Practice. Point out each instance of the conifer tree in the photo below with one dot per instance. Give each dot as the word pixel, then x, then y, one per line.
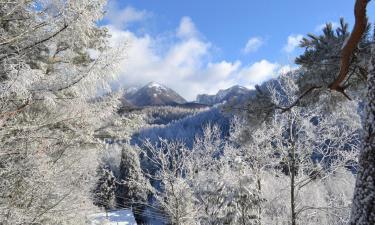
pixel 105 190
pixel 130 189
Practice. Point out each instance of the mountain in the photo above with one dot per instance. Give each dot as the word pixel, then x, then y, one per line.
pixel 153 94
pixel 236 92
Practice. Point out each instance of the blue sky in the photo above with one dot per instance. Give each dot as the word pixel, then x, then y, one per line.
pixel 202 46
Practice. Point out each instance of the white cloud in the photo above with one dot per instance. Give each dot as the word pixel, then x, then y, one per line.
pixel 187 28
pixel 259 72
pixel 184 63
pixel 221 70
pixel 252 45
pixel 121 18
pixel 293 42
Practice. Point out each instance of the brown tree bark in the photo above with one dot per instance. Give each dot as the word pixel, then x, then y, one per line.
pixel 351 44
pixel 363 208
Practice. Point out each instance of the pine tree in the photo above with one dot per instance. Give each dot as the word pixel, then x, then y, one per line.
pixel 321 58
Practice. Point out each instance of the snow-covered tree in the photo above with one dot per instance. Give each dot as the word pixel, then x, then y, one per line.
pixel 304 146
pixel 223 185
pixel 53 58
pixel 130 191
pixel 119 127
pixel 291 158
pixel 171 180
pixel 105 189
pixel 306 158
pixel 207 171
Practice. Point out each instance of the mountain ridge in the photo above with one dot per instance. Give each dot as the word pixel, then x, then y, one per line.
pixel 155 94
pixel 152 94
pixel 235 92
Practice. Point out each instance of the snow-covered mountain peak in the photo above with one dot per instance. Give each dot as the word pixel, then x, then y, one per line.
pixel 156 86
pixel 236 92
pixel 154 94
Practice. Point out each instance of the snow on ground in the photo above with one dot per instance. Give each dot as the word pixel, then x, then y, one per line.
pixel 117 217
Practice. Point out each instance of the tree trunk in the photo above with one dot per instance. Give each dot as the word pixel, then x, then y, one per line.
pixel 292 169
pixel 292 194
pixel 363 209
pixel 259 185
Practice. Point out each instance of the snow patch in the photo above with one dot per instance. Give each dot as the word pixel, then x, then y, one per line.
pixel 156 85
pixel 117 217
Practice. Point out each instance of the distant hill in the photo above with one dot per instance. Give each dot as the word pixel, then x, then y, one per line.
pixel 153 94
pixel 236 92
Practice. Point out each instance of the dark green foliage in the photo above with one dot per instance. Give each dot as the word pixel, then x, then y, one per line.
pixel 321 59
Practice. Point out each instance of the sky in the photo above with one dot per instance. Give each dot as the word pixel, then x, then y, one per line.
pixel 202 46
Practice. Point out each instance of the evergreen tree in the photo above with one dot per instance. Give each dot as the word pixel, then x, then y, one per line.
pixel 320 61
pixel 105 190
pixel 130 191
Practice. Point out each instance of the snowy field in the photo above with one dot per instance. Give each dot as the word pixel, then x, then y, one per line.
pixel 118 217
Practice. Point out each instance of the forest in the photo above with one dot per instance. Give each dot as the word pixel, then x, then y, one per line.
pixel 298 148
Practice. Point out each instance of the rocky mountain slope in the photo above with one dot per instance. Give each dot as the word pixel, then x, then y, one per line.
pixel 153 94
